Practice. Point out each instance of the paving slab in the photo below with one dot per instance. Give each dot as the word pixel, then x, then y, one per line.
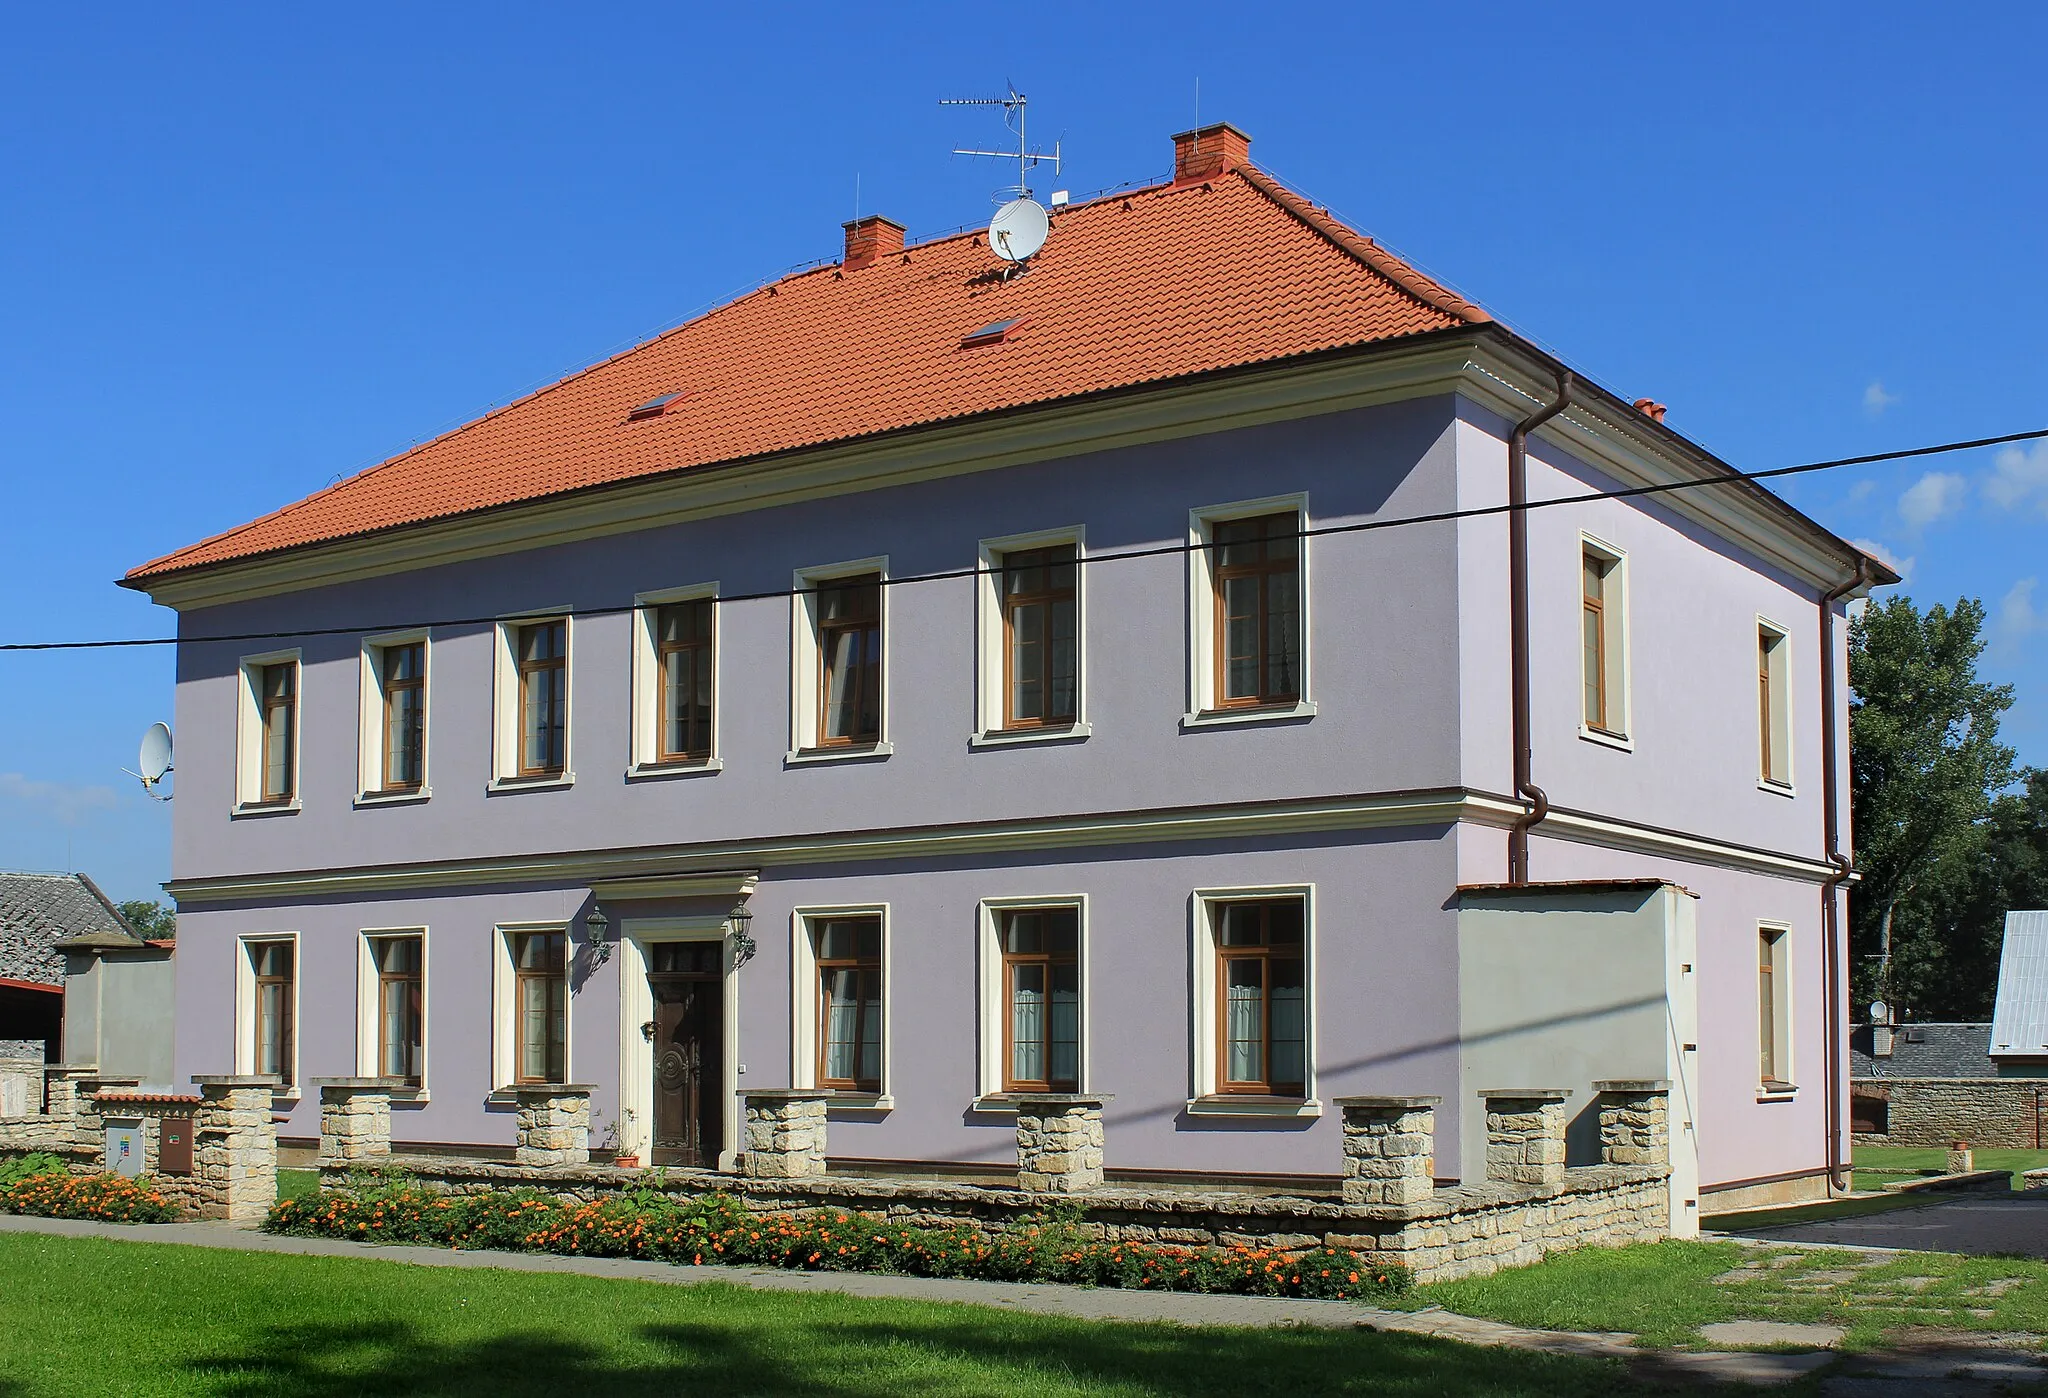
pixel 1975 1225
pixel 1759 1333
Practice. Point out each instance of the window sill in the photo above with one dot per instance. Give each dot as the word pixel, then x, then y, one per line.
pixel 255 810
pixel 876 1102
pixel 1003 1102
pixel 1226 1105
pixel 1776 788
pixel 663 771
pixel 499 786
pixel 863 752
pixel 393 798
pixel 1620 742
pixel 1014 737
pixel 1776 1092
pixel 1264 713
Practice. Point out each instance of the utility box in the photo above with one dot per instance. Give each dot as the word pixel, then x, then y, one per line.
pixel 174 1146
pixel 124 1148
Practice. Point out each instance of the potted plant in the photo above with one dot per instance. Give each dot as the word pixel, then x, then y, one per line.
pixel 624 1159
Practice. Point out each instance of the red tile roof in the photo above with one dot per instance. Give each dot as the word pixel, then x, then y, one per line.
pixel 1130 289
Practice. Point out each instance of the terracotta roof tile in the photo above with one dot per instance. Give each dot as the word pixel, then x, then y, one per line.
pixel 1131 289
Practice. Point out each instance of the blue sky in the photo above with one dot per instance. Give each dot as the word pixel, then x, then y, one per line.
pixel 246 250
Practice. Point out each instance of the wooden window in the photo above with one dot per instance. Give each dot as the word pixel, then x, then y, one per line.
pixel 543 654
pixel 1261 997
pixel 1041 1000
pixel 404 679
pixel 278 690
pixel 682 646
pixel 1770 1008
pixel 540 1004
pixel 401 1006
pixel 849 957
pixel 1593 618
pixel 1257 576
pixel 1041 645
pixel 850 661
pixel 1774 735
pixel 273 964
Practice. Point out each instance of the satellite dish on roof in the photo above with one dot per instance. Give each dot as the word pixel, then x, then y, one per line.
pixel 1880 1013
pixel 1018 229
pixel 154 758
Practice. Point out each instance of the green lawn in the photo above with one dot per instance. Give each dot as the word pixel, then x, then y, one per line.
pixel 88 1316
pixel 1877 1166
pixel 1664 1292
pixel 292 1183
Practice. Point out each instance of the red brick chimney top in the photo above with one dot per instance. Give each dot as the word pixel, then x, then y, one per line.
pixel 870 239
pixel 1208 151
pixel 1651 409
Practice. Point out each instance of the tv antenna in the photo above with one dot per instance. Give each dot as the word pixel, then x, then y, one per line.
pixel 154 759
pixel 1013 120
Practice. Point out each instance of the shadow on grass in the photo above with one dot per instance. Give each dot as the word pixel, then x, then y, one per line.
pixel 859 1359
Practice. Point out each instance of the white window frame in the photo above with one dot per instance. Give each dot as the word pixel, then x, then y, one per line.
pixel 636 1007
pixel 803 1001
pixel 1782 990
pixel 1781 710
pixel 990 639
pixel 645 759
pixel 504 1032
pixel 367 1065
pixel 1614 619
pixel 1201 640
pixel 245 1005
pixel 505 733
pixel 249 735
pixel 804 708
pixel 1203 1099
pixel 991 1012
pixel 370 735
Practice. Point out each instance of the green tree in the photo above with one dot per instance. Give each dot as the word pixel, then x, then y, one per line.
pixel 151 920
pixel 1926 766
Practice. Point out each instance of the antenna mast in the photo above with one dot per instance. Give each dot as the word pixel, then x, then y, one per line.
pixel 1013 119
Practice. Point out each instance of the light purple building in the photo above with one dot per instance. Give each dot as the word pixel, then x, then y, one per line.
pixel 936 679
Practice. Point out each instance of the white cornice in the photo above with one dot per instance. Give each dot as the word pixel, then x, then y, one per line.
pixel 731 868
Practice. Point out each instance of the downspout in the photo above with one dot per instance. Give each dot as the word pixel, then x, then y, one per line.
pixel 1831 824
pixel 1518 627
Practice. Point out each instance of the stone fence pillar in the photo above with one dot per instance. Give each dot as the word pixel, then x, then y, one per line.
pixel 355 1119
pixel 234 1147
pixel 785 1133
pixel 68 1086
pixel 1525 1134
pixel 1635 1121
pixel 1059 1142
pixel 553 1124
pixel 1389 1149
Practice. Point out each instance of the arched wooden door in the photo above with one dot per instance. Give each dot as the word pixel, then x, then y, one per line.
pixel 687 983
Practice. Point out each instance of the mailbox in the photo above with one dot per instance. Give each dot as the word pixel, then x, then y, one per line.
pixel 174 1146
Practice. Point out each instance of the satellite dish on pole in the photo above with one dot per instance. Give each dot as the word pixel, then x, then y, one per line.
pixel 154 758
pixel 1018 229
pixel 1880 1013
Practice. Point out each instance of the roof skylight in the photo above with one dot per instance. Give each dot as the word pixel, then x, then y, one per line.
pixel 994 333
pixel 654 407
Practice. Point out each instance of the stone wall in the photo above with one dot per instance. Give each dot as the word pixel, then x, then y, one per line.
pixel 2008 1113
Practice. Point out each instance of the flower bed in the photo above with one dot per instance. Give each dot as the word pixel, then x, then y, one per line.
pixel 719 1230
pixel 44 1185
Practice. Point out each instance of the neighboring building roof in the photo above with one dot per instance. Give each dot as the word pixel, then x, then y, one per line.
pixel 2019 1021
pixel 39 912
pixel 1156 284
pixel 1924 1051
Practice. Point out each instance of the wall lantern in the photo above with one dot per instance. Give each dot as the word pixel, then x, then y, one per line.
pixel 598 926
pixel 742 944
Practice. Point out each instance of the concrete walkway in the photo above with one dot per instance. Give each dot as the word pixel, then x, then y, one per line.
pixel 1875 1375
pixel 1976 1225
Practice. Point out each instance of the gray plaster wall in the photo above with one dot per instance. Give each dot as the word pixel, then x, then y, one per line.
pixel 120 1012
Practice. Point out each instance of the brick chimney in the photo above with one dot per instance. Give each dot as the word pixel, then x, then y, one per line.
pixel 869 240
pixel 1208 151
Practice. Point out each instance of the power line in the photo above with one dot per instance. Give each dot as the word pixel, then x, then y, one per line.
pixel 1117 556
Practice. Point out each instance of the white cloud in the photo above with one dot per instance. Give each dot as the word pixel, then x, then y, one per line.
pixel 2017 615
pixel 62 802
pixel 1862 490
pixel 2019 476
pixel 1934 496
pixel 1876 400
pixel 1890 556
